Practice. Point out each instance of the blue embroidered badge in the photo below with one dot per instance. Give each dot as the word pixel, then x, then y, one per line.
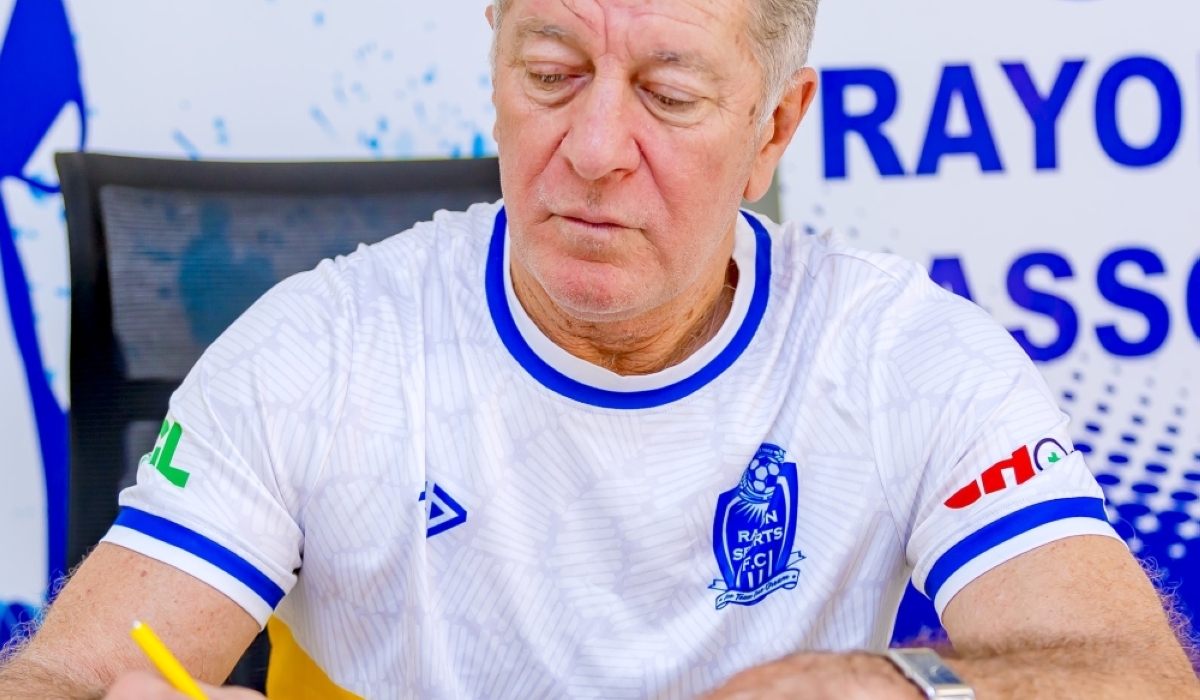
pixel 441 511
pixel 754 531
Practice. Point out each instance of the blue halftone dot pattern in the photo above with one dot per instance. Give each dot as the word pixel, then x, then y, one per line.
pixel 1147 463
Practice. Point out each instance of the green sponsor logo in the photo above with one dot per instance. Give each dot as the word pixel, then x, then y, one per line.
pixel 164 451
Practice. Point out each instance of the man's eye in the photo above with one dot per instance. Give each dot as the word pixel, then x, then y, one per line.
pixel 671 103
pixel 548 79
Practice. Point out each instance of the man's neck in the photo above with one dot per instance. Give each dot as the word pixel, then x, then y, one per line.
pixel 651 342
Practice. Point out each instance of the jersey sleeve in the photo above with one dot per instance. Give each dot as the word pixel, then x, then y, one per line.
pixel 974 451
pixel 221 496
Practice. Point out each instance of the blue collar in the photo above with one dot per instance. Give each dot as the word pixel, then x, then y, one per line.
pixel 559 383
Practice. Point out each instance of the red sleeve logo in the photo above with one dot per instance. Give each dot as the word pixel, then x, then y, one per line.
pixel 1048 452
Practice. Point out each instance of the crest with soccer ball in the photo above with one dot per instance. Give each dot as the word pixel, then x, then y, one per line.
pixel 755 529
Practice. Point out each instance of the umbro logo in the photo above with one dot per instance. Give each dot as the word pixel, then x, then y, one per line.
pixel 441 511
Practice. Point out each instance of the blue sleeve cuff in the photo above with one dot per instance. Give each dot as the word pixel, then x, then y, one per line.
pixel 198 545
pixel 1013 525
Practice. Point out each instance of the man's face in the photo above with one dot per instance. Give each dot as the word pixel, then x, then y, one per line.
pixel 626 133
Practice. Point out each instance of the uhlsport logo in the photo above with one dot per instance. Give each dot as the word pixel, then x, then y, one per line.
pixel 1020 464
pixel 755 529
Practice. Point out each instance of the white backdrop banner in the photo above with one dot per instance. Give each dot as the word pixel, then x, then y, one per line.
pixel 1041 157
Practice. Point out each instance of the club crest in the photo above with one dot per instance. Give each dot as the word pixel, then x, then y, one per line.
pixel 755 529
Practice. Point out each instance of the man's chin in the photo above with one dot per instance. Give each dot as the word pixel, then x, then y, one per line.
pixel 592 305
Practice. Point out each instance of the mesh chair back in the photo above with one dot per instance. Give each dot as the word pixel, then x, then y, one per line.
pixel 166 254
pixel 182 265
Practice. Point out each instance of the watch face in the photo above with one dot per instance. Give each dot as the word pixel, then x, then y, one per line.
pixel 931 667
pixel 941 674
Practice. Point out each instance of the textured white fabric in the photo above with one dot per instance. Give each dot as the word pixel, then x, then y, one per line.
pixel 316 426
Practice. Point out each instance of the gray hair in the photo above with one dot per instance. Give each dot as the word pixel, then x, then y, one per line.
pixel 781 33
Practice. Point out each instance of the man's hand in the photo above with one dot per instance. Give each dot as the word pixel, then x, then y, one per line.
pixel 820 677
pixel 146 685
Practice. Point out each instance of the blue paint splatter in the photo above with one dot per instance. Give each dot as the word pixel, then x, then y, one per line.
pixel 430 75
pixel 222 132
pixel 188 147
pixel 477 146
pixel 403 146
pixel 322 121
pixel 364 51
pixel 370 142
pixel 319 19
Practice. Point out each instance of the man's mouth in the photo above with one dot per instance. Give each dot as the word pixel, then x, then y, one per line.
pixel 594 221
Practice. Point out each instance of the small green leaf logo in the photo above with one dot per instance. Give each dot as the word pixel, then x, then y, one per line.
pixel 1053 458
pixel 164 452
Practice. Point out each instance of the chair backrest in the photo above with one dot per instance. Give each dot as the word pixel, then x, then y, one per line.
pixel 165 254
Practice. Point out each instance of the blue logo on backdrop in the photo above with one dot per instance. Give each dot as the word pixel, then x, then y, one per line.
pixel 441 511
pixel 754 531
pixel 39 76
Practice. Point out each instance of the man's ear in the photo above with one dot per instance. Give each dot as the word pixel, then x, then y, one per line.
pixel 778 132
pixel 490 13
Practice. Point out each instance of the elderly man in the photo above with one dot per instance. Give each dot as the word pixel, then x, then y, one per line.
pixel 613 438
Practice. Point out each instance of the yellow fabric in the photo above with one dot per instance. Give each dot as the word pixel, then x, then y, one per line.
pixel 293 675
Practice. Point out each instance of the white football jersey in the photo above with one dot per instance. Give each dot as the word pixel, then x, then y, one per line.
pixel 428 498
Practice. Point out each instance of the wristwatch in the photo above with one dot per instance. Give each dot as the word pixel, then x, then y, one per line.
pixel 925 668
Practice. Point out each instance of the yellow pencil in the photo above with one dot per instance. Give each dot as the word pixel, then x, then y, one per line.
pixel 165 661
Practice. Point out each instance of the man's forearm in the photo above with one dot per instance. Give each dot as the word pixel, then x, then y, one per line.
pixel 23 678
pixel 1078 671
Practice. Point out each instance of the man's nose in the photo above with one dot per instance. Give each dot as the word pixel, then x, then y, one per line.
pixel 601 141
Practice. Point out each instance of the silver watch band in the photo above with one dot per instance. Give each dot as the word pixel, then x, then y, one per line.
pixel 926 669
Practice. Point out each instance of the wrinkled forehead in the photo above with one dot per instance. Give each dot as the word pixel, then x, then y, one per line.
pixel 705 35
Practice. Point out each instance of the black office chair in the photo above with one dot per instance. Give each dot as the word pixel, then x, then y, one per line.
pixel 165 254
